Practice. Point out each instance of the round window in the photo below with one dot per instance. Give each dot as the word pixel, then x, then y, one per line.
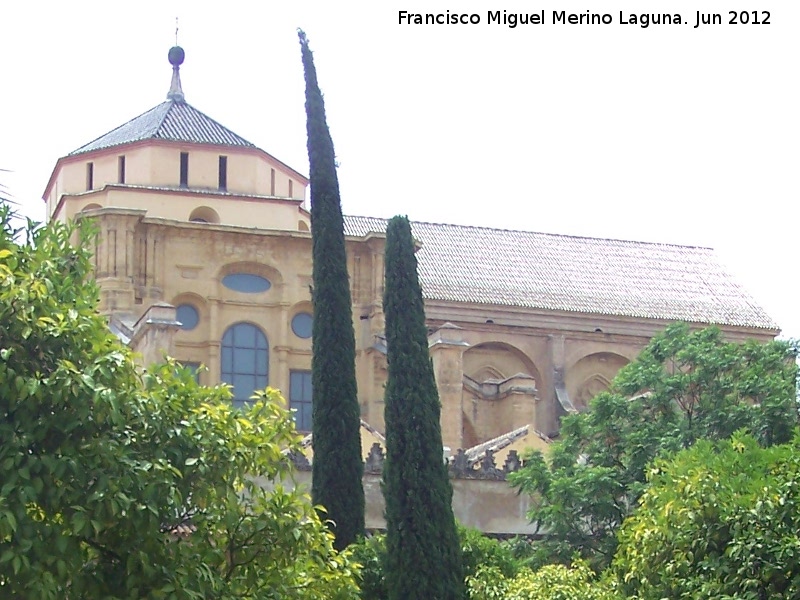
pixel 301 325
pixel 246 283
pixel 188 316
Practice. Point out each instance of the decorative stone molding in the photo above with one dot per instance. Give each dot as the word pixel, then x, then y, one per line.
pixel 374 463
pixel 461 467
pixel 300 461
pixel 493 389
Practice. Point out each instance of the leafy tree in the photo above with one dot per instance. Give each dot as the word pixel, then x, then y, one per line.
pixel 684 386
pixel 718 521
pixel 423 555
pixel 338 465
pixel 116 485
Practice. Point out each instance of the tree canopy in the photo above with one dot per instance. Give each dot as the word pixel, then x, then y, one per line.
pixel 423 556
pixel 720 520
pixel 120 485
pixel 338 465
pixel 684 386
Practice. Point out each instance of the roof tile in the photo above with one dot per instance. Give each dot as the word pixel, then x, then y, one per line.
pixel 575 274
pixel 173 121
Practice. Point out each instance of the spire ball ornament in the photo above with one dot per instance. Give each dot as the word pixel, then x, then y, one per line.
pixel 176 56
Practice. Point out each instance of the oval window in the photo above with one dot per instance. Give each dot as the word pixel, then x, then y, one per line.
pixel 301 325
pixel 246 283
pixel 188 316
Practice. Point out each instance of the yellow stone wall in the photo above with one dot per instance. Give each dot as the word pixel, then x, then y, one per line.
pixel 498 368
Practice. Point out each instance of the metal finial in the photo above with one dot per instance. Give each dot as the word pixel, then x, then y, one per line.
pixel 176 31
pixel 176 56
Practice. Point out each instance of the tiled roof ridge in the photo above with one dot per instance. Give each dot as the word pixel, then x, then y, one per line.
pixel 81 150
pixel 212 119
pixel 543 233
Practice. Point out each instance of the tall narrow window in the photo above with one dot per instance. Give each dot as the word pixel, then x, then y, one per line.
pixel 290 188
pixel 89 176
pixel 272 182
pixel 121 169
pixel 223 173
pixel 300 398
pixel 184 169
pixel 245 360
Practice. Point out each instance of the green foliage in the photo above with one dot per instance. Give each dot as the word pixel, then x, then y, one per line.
pixel 114 485
pixel 423 552
pixel 718 521
pixel 551 582
pixel 478 550
pixel 683 387
pixel 370 553
pixel 338 464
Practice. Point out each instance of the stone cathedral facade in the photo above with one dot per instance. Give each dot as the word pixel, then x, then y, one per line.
pixel 204 253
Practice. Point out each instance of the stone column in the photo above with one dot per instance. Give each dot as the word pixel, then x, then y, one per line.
pixel 447 353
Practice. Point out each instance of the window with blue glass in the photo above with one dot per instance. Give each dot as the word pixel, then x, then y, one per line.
pixel 247 283
pixel 302 324
pixel 300 398
pixel 188 316
pixel 245 360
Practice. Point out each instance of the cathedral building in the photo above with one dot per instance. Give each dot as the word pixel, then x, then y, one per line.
pixel 204 252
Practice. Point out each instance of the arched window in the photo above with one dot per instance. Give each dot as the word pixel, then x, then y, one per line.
pixel 245 360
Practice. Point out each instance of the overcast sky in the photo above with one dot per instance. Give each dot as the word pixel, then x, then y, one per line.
pixel 667 133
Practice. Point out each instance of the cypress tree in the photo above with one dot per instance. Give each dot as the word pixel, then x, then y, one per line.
pixel 337 467
pixel 423 551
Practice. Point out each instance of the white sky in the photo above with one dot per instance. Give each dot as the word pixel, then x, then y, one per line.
pixel 669 134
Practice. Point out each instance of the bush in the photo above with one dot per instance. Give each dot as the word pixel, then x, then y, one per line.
pixel 478 553
pixel 553 582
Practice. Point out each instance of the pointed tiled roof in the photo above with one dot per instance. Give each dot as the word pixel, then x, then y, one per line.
pixel 172 121
pixel 576 274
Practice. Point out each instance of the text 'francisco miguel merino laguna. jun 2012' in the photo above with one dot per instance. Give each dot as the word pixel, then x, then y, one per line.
pixel 696 19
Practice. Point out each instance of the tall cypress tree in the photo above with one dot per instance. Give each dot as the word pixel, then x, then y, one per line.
pixel 338 466
pixel 423 550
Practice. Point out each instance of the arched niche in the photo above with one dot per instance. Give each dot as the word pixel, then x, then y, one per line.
pixel 497 360
pixel 199 304
pixel 91 206
pixel 204 214
pixel 488 373
pixel 591 375
pixel 494 400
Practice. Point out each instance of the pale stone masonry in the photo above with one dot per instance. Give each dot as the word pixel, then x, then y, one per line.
pixel 204 252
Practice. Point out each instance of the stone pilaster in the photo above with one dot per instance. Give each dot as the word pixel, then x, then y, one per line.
pixel 447 348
